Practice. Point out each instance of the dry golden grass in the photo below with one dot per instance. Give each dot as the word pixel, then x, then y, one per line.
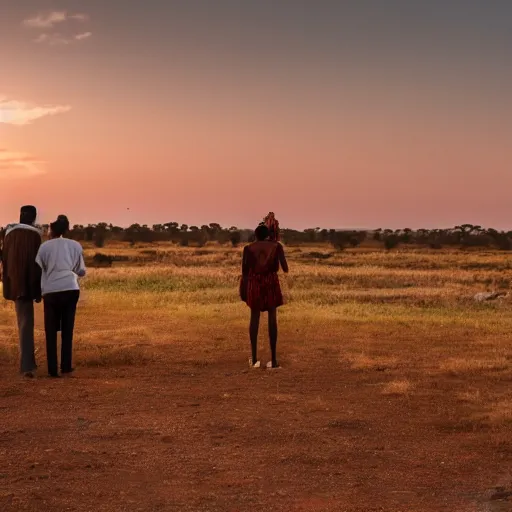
pixel 405 291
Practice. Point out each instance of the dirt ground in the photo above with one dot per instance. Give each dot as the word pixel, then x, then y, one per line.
pixel 394 393
pixel 177 435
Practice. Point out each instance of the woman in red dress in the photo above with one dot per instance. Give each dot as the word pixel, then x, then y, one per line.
pixel 260 288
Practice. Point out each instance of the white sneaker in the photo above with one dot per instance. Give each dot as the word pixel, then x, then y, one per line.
pixel 270 367
pixel 257 364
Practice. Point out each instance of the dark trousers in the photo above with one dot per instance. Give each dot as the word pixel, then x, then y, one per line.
pixel 25 318
pixel 59 314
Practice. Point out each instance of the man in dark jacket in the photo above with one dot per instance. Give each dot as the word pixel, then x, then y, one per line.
pixel 21 277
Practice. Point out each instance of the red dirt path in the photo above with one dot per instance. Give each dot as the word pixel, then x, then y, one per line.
pixel 217 437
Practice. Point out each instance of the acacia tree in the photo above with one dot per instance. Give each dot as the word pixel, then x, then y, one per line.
pixel 338 239
pixel 406 235
pixel 214 231
pixel 391 241
pixel 501 239
pixel 311 234
pixel 100 234
pixel 422 235
pixel 89 232
pixel 435 238
pixel 467 230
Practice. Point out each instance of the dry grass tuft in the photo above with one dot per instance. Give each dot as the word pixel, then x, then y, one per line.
pixel 501 412
pixel 459 366
pixel 397 388
pixel 114 355
pixel 8 354
pixel 372 363
pixel 470 397
pixel 121 335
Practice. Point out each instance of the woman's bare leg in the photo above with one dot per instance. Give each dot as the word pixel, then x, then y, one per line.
pixel 272 333
pixel 253 333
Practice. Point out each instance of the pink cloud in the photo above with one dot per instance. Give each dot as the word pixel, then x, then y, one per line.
pixel 85 35
pixel 17 164
pixel 21 113
pixel 49 20
pixel 46 21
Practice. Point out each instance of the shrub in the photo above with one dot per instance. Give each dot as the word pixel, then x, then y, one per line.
pixel 103 259
pixel 235 238
pixel 391 241
pixel 89 233
pixel 99 239
pixel 338 240
pixel 502 240
pixel 504 243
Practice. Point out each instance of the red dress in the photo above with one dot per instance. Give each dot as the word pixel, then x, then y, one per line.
pixel 259 286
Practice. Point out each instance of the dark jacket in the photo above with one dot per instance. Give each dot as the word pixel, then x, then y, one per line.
pixel 21 276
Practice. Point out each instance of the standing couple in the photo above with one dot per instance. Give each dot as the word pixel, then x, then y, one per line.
pixel 31 271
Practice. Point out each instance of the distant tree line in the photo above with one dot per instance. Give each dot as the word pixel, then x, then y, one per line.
pixel 464 235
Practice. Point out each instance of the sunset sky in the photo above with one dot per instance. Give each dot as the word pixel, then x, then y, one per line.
pixel 347 113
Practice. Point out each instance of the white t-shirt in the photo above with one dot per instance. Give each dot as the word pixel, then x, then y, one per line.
pixel 62 263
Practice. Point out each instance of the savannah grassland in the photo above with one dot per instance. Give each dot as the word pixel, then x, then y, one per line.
pixel 395 392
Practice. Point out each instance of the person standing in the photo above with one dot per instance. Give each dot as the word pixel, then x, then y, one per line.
pixel 62 263
pixel 21 280
pixel 260 288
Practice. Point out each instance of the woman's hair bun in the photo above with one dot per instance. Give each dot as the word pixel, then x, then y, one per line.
pixel 60 226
